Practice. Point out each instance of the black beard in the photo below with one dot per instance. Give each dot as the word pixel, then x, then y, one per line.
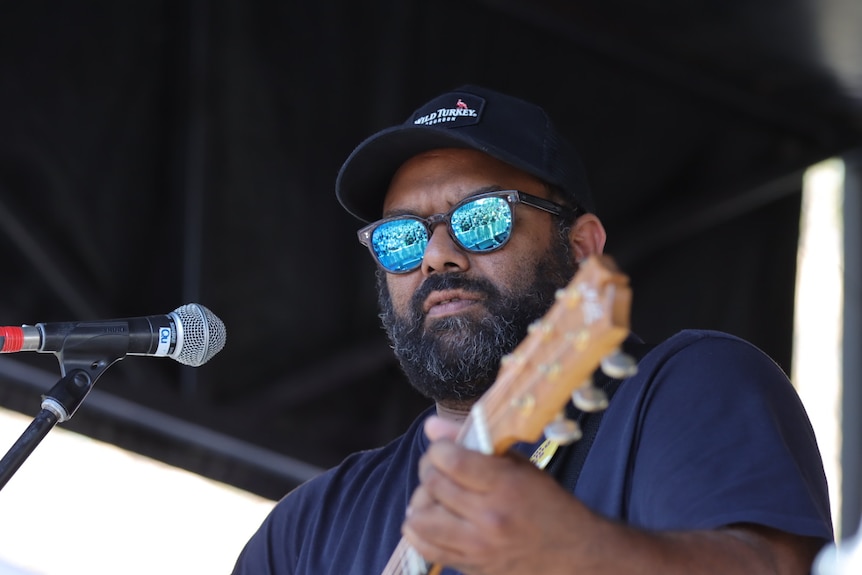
pixel 456 359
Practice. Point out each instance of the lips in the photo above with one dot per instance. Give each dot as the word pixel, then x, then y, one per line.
pixel 449 301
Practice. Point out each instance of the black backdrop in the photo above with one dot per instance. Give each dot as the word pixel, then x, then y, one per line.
pixel 158 153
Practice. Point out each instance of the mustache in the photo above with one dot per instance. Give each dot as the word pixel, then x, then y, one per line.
pixel 450 281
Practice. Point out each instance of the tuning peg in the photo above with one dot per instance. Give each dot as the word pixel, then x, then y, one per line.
pixel 563 430
pixel 544 328
pixel 569 295
pixel 512 359
pixel 619 365
pixel 590 398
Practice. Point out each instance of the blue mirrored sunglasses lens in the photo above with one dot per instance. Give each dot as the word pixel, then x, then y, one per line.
pixel 400 244
pixel 483 224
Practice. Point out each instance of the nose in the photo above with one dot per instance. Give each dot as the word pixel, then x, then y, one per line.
pixel 442 254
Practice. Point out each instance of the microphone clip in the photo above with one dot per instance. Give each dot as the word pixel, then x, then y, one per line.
pixel 89 353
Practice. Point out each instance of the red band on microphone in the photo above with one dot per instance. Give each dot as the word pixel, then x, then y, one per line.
pixel 11 339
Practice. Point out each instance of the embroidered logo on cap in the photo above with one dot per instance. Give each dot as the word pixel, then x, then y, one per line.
pixel 466 110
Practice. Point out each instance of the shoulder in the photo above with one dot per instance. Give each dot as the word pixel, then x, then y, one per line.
pixel 703 357
pixel 699 373
pixel 702 344
pixel 711 432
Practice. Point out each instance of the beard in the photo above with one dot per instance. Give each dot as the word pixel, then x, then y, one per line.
pixel 455 359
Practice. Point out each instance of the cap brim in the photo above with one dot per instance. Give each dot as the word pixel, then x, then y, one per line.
pixel 364 177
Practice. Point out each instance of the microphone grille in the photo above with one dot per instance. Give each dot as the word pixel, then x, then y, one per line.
pixel 203 334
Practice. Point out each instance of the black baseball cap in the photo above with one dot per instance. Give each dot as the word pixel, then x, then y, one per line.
pixel 509 129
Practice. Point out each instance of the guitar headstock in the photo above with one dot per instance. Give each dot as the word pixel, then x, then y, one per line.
pixel 588 320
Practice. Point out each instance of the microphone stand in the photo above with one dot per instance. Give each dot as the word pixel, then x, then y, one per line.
pixel 91 354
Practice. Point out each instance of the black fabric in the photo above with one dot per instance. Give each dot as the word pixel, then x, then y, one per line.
pixel 708 433
pixel 568 461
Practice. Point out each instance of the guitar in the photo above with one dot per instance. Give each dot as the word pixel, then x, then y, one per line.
pixel 583 329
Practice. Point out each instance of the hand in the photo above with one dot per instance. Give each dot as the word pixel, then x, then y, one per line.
pixel 489 515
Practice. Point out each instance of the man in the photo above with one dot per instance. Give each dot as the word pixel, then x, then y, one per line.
pixel 704 462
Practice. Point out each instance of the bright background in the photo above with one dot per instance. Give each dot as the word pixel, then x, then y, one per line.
pixel 80 506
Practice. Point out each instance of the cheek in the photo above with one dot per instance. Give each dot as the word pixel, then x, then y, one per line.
pixel 513 269
pixel 401 289
pixel 509 271
pixel 538 237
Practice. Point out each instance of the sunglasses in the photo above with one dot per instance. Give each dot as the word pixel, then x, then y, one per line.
pixel 478 224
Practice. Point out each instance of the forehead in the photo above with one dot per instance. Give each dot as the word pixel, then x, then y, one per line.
pixel 433 181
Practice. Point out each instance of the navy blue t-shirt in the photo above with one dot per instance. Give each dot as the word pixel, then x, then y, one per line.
pixel 710 432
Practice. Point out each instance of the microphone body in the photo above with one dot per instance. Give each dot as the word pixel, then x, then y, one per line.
pixel 191 335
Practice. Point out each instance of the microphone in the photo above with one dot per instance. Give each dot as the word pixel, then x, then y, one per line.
pixel 191 334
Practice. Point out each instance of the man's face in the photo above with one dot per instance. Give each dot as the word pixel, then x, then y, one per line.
pixel 451 320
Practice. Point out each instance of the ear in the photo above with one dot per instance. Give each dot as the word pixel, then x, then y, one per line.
pixel 587 236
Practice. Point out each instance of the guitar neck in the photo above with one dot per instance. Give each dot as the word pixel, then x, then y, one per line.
pixel 405 560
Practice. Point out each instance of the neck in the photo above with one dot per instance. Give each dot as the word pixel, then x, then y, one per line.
pixel 454 411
